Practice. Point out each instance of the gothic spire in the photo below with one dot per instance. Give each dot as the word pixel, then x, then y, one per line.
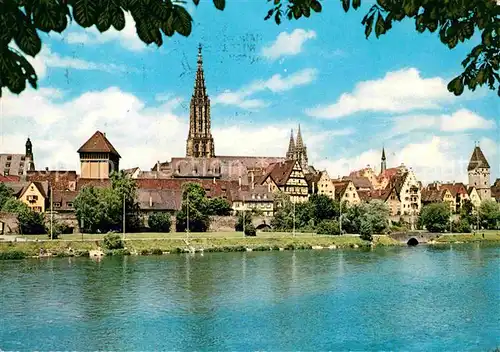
pixel 199 85
pixel 383 154
pixel 299 143
pixel 290 154
pixel 383 163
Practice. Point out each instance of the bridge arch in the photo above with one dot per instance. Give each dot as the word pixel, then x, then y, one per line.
pixel 263 226
pixel 412 242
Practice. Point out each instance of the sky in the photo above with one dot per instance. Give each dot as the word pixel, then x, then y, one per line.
pixel 351 96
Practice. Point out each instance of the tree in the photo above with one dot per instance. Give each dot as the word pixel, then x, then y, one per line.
pixel 218 206
pixel 194 199
pixel 435 217
pixel 283 212
pixel 461 226
pixel 5 194
pixel 351 218
pixel 467 211
pixel 113 241
pixel 29 222
pixel 456 21
pixel 377 213
pixel 159 222
pixel 243 217
pixel 489 214
pixel 101 209
pixel 328 227
pixel 366 230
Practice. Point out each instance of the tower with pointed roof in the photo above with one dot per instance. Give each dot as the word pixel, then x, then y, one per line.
pixel 29 163
pixel 200 143
pixel 301 152
pixel 290 154
pixel 479 173
pixel 98 157
pixel 383 163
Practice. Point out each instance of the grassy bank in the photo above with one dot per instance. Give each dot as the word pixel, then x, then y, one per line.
pixel 144 244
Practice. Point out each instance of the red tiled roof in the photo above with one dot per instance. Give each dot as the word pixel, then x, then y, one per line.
pixel 63 197
pixel 360 181
pixel 455 188
pixel 432 195
pixel 280 172
pixel 98 143
pixel 58 179
pixel 9 178
pixel 82 182
pixel 340 187
pixel 159 199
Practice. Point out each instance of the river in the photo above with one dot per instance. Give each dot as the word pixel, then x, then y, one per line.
pixel 404 299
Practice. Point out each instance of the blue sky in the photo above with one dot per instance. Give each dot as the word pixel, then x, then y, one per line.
pixel 351 95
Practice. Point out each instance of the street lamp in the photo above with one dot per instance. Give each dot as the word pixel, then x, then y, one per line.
pixel 187 216
pixel 293 233
pixel 123 226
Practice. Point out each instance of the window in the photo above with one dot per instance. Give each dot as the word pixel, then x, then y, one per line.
pixel 57 204
pixel 69 204
pixel 23 158
pixel 20 172
pixel 6 172
pixel 9 157
pixel 21 165
pixel 7 164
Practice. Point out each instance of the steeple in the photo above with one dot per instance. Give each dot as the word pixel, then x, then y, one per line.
pixel 290 154
pixel 383 164
pixel 29 149
pixel 479 173
pixel 301 151
pixel 300 143
pixel 200 143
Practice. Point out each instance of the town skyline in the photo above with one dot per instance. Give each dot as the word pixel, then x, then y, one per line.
pixel 260 89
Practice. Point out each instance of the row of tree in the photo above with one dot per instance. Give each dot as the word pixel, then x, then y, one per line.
pixel 437 217
pixel 103 209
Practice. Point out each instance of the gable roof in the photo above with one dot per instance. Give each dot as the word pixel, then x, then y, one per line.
pixel 433 195
pixel 477 160
pixel 280 172
pixel 360 182
pixel 340 187
pixel 58 179
pixel 98 143
pixel 43 188
pixel 455 188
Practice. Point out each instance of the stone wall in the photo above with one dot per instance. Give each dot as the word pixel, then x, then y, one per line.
pixel 8 223
pixel 222 223
pixel 66 218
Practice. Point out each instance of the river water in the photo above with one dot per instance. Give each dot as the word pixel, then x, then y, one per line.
pixel 404 299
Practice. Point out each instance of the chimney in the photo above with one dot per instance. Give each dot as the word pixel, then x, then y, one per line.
pixel 150 201
pixel 213 181
pixel 158 165
pixel 253 180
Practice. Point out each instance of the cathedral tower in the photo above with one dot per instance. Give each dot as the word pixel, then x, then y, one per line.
pixel 301 152
pixel 290 154
pixel 479 173
pixel 383 163
pixel 200 143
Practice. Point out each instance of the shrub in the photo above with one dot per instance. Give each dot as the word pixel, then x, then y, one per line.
pixel 328 227
pixel 156 251
pixel 113 241
pixel 461 226
pixel 250 230
pixel 435 217
pixel 159 222
pixel 118 252
pixel 366 231
pixel 12 255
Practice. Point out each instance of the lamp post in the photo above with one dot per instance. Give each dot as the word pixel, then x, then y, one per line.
pixel 340 216
pixel 187 216
pixel 293 233
pixel 51 214
pixel 243 222
pixel 123 226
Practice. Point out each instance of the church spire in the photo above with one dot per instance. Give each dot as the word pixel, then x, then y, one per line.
pixel 383 163
pixel 300 143
pixel 290 154
pixel 200 143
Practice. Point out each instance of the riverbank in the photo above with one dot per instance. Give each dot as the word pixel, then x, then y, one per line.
pixel 137 245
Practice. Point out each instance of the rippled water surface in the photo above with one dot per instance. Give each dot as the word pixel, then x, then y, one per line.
pixel 412 299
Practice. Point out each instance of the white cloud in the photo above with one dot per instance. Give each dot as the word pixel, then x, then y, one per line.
pixel 435 158
pixel 398 91
pixel 142 134
pixel 275 84
pixel 127 37
pixel 459 121
pixel 288 44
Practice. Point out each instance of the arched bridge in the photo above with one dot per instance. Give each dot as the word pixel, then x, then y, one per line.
pixel 413 238
pixel 262 222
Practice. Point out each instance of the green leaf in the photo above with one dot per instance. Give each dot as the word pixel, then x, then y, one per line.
pixel 196 2
pixel 27 38
pixel 346 4
pixel 118 20
pixel 316 6
pixel 168 27
pixel 220 4
pixel 456 86
pixel 380 26
pixel 104 20
pixel 369 25
pixel 85 12
pixel 182 21
pixel 356 4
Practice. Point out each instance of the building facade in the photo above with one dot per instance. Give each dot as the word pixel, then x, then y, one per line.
pixel 200 143
pixel 98 157
pixel 18 165
pixel 479 173
pixel 287 177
